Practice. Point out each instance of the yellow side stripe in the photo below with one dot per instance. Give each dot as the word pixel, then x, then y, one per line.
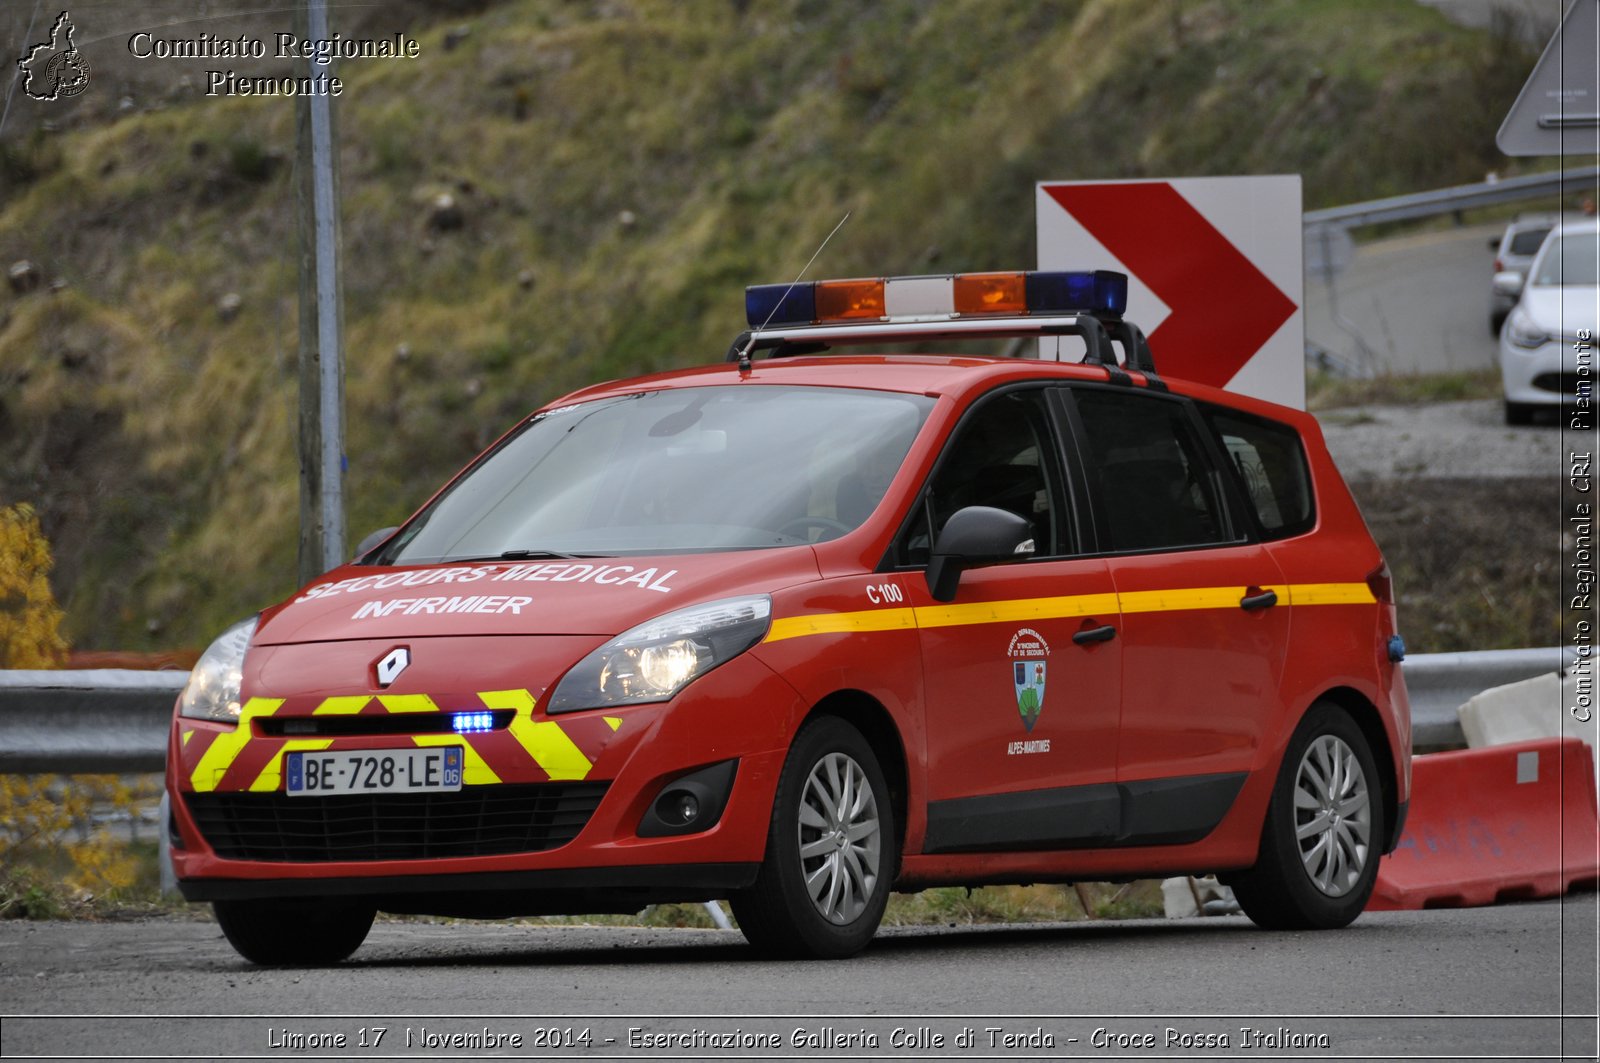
pixel 1331 594
pixel 837 623
pixel 1020 610
pixel 1178 600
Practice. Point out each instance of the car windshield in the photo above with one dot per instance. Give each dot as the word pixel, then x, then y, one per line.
pixel 686 469
pixel 1570 261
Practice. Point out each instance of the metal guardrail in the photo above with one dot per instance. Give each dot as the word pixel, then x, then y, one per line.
pixel 1459 197
pixel 1440 683
pixel 109 720
pixel 94 720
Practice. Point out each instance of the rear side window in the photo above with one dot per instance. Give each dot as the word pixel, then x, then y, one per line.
pixel 1148 469
pixel 1271 467
pixel 1527 241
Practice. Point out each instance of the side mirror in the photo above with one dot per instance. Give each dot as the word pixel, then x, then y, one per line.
pixel 1494 243
pixel 376 538
pixel 973 536
pixel 1508 283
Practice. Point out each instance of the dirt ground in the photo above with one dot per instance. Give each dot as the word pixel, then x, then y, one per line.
pixel 1476 562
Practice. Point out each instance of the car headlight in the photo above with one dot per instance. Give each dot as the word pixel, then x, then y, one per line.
pixel 1522 332
pixel 655 660
pixel 212 692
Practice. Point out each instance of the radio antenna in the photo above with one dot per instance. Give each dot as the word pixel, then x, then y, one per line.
pixel 744 355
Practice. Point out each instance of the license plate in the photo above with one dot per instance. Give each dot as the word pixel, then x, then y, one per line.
pixel 373 771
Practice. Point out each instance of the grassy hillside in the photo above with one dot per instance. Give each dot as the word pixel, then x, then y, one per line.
pixel 622 170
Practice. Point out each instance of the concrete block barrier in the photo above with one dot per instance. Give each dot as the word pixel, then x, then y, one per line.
pixel 1509 822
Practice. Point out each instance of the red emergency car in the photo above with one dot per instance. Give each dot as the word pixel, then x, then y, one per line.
pixel 811 625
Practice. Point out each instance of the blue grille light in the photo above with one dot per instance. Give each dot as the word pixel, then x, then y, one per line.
pixel 471 722
pixel 785 304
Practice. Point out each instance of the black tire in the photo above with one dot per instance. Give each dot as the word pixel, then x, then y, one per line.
pixel 310 932
pixel 1282 891
pixel 1520 412
pixel 777 914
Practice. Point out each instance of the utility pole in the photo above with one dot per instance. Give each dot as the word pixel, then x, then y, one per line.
pixel 322 532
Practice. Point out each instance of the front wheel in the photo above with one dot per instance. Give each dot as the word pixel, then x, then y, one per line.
pixel 309 932
pixel 831 850
pixel 1323 831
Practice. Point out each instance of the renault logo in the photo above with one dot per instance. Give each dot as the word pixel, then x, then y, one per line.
pixel 391 664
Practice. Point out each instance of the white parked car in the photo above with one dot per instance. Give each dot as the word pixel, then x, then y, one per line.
pixel 1555 315
pixel 1513 253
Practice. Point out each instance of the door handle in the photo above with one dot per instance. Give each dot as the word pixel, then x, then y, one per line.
pixel 1095 634
pixel 1259 601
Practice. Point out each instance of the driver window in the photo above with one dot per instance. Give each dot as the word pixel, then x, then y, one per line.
pixel 1002 455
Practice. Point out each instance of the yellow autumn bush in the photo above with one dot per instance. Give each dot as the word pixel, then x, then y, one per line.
pixel 55 852
pixel 30 619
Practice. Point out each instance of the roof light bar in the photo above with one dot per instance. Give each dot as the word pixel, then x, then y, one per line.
pixel 861 300
pixel 960 295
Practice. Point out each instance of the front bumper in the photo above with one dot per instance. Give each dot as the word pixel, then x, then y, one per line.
pixel 621 758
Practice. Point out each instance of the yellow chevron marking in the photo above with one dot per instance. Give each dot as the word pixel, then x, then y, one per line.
pixel 520 700
pixel 474 772
pixel 545 741
pixel 347 705
pixel 1331 594
pixel 548 744
pixel 612 722
pixel 1017 610
pixel 186 736
pixel 221 753
pixel 408 703
pixel 790 627
pixel 272 774
pixel 1021 609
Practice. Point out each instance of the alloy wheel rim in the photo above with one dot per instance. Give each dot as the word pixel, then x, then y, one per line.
pixel 1332 816
pixel 840 838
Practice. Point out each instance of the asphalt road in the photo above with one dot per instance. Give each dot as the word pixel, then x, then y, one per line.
pixel 1478 983
pixel 1414 304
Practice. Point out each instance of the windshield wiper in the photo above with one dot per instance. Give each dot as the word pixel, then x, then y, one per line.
pixel 536 555
pixel 518 555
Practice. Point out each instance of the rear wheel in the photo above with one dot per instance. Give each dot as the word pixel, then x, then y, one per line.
pixel 1323 832
pixel 830 855
pixel 306 932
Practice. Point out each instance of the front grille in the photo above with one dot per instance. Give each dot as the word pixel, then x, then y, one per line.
pixel 366 724
pixel 474 821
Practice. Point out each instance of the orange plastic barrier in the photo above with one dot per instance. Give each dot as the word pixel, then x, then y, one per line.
pixel 1503 823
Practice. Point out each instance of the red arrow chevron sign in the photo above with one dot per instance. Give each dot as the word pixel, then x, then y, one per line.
pixel 1214 271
